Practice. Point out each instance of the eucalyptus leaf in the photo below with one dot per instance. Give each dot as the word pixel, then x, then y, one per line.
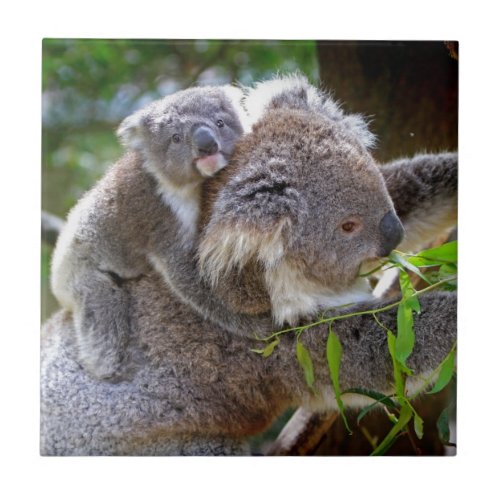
pixel 443 426
pixel 422 261
pixel 305 361
pixel 404 417
pixel 405 339
pixel 445 374
pixel 418 425
pixel 270 348
pixel 443 253
pixel 398 375
pixel 334 357
pixel 378 397
pixel 399 259
pixel 408 291
pixel 385 400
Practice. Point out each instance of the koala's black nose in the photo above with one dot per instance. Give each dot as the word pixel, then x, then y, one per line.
pixel 205 141
pixel 392 233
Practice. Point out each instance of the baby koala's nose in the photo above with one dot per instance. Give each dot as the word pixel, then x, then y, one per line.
pixel 205 141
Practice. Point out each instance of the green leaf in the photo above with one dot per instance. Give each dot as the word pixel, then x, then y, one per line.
pixel 408 291
pixel 334 357
pixel 270 348
pixel 257 351
pixel 422 261
pixel 447 270
pixel 404 417
pixel 398 375
pixel 385 400
pixel 443 253
pixel 418 425
pixel 443 426
pixel 305 362
pixel 377 396
pixel 405 339
pixel 445 374
pixel 399 259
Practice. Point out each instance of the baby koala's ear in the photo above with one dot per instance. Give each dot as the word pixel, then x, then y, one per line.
pixel 132 131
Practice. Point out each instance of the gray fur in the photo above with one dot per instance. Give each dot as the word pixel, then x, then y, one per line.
pixel 190 386
pixel 428 204
pixel 197 387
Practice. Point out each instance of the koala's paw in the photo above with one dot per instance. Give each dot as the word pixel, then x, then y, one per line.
pixel 102 339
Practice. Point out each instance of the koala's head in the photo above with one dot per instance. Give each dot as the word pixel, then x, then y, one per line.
pixel 187 135
pixel 304 202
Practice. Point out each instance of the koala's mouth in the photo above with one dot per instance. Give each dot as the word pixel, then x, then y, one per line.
pixel 209 165
pixel 369 265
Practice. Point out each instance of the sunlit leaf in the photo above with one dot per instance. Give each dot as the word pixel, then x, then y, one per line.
pixel 305 362
pixel 398 375
pixel 408 292
pixel 422 262
pixel 384 400
pixel 404 417
pixel 334 357
pixel 443 253
pixel 399 258
pixel 418 425
pixel 445 374
pixel 405 339
pixel 377 396
pixel 270 348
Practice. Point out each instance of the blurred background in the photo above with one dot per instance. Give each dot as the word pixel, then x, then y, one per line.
pixel 408 91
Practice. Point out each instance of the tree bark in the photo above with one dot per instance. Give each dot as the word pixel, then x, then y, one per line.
pixel 408 89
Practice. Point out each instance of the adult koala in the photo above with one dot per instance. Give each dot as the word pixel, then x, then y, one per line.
pixel 299 209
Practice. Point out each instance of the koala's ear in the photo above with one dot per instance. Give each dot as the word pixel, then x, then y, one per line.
pixel 293 91
pixel 296 92
pixel 236 95
pixel 251 219
pixel 132 131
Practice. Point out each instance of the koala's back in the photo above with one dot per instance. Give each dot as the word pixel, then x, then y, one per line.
pixel 110 228
pixel 180 363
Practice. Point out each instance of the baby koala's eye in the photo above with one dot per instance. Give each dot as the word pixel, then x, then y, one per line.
pixel 176 138
pixel 219 123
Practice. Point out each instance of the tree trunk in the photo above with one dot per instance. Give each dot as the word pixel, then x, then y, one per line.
pixel 408 89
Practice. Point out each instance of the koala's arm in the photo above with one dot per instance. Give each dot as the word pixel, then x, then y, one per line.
pixel 366 362
pixel 178 266
pixel 424 192
pixel 86 278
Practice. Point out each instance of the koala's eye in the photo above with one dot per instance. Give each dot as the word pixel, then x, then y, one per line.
pixel 349 226
pixel 219 123
pixel 176 138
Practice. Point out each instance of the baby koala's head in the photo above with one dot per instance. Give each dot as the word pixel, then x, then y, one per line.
pixel 188 135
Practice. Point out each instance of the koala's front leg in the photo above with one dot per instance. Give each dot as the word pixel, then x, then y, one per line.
pixel 101 323
pixel 424 192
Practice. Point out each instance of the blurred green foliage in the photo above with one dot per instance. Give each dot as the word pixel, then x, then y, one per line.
pixel 90 85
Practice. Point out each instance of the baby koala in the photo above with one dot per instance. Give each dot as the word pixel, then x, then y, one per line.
pixel 131 220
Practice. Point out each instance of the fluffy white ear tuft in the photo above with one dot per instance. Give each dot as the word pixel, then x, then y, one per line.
pixel 236 95
pixel 131 131
pixel 295 91
pixel 227 248
pixel 268 94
